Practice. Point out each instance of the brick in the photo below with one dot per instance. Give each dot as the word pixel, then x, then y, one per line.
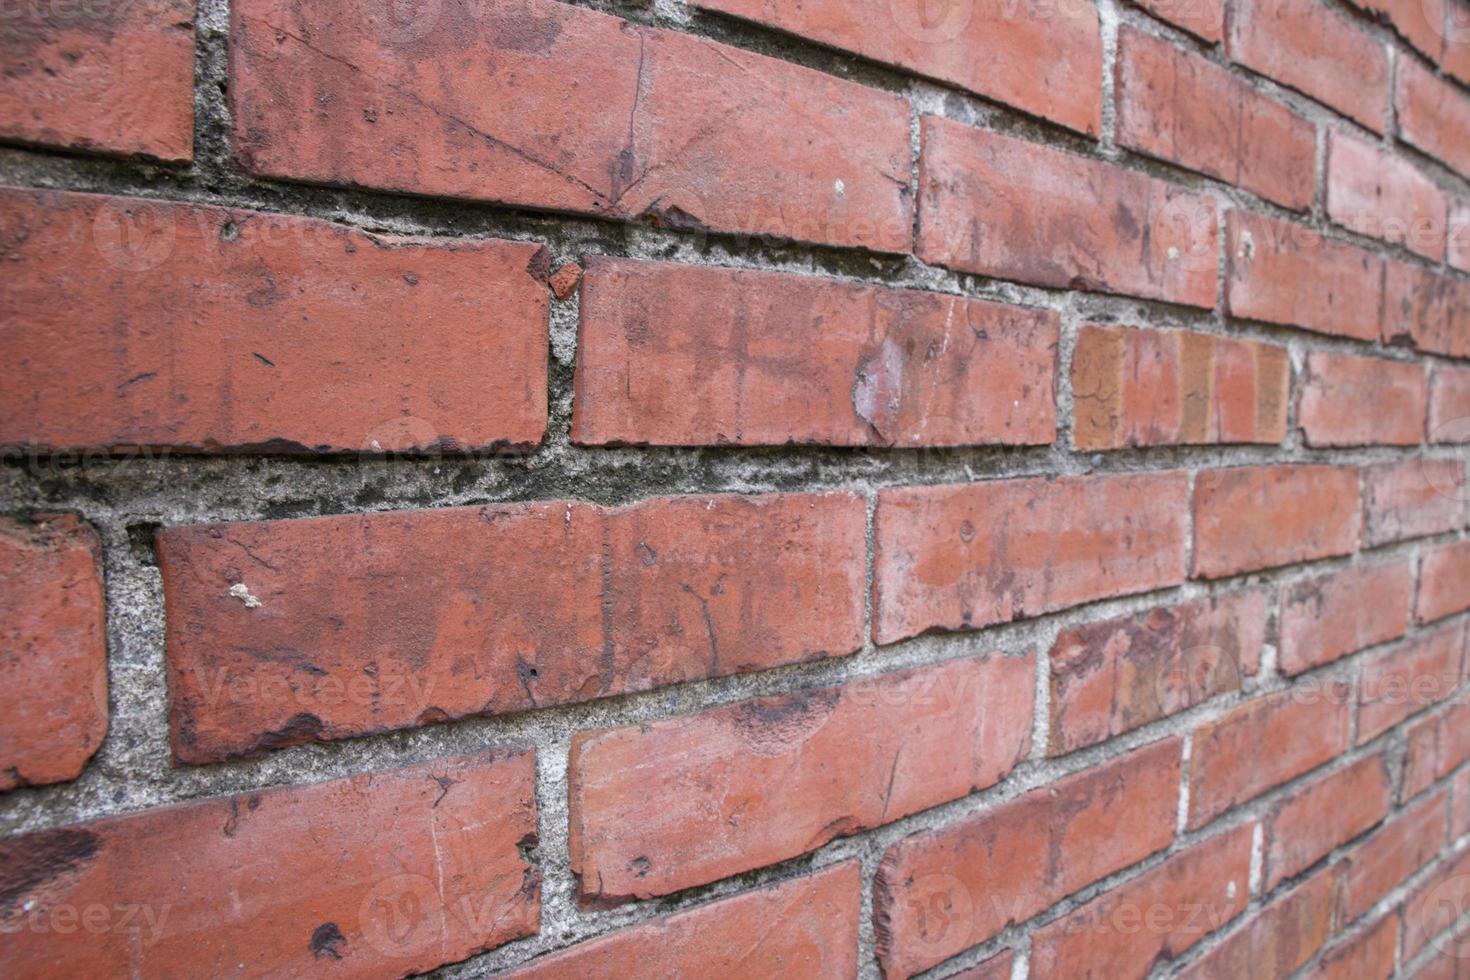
pixel 1263 743
pixel 1412 499
pixel 1289 274
pixel 457 612
pixel 1253 517
pixel 1275 942
pixel 1459 824
pixel 1372 869
pixel 779 359
pixel 545 105
pixel 1362 401
pixel 1457 244
pixel 1406 679
pixel 53 649
pixel 998 967
pixel 1447 964
pixel 1449 405
pixel 293 881
pixel 805 927
pixel 1044 61
pixel 1116 675
pixel 1455 59
pixel 1436 746
pixel 1142 387
pixel 1433 116
pixel 1330 616
pixel 1202 18
pixel 1306 46
pixel 1012 209
pixel 966 556
pixel 667 805
pixel 1444 582
pixel 1152 918
pixel 1426 310
pixel 1004 865
pixel 1323 815
pixel 113 78
pixel 1435 905
pixel 1184 109
pixel 1366 956
pixel 1420 22
pixel 146 323
pixel 1381 194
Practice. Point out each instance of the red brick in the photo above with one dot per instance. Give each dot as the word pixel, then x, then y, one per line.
pixel 1046 61
pixel 1362 401
pixel 779 359
pixel 1263 743
pixel 944 890
pixel 114 78
pixel 1330 616
pixel 1436 746
pixel 1202 18
pixel 1433 115
pixel 146 323
pixel 1446 964
pixel 965 556
pixel 1408 678
pixel 1412 499
pixel 1323 815
pixel 1420 22
pixel 1425 309
pixel 667 805
pixel 998 967
pixel 1449 405
pixel 564 281
pixel 1401 847
pixel 1444 582
pixel 53 657
pixel 1305 45
pixel 1460 805
pixel 1435 905
pixel 1116 675
pixel 1012 209
pixel 1366 956
pixel 1152 918
pixel 1141 387
pixel 547 105
pixel 1289 274
pixel 1184 109
pixel 1457 245
pixel 294 881
pixel 1455 59
pixel 467 611
pixel 1276 941
pixel 1380 194
pixel 804 927
pixel 1253 517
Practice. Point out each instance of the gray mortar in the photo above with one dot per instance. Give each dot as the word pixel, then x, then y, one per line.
pixel 126 498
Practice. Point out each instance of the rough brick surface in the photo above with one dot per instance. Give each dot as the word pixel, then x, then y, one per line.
pixel 1435 746
pixel 618 122
pixel 1449 404
pixel 1426 310
pixel 1401 847
pixel 53 649
pixel 1412 499
pixel 1202 18
pixel 1348 400
pixel 289 880
pixel 1457 244
pixel 1330 616
pixel 1255 517
pixel 963 557
pixel 1421 22
pixel 1329 811
pixel 1433 115
pixel 1435 905
pixel 546 603
pixel 144 323
pixel 780 359
pixel 1140 387
pixel 661 807
pixel 1444 582
pixel 114 78
pixel 1276 941
pixel 1368 955
pixel 1013 209
pixel 1405 679
pixel 1373 192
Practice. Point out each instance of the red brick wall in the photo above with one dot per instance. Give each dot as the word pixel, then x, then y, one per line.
pixel 972 488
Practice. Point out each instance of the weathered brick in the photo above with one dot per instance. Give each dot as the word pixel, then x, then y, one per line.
pixel 1263 743
pixel 998 967
pixel 1142 387
pixel 1253 517
pixel 1184 109
pixel 1326 813
pixel 1402 846
pixel 1455 58
pixel 1421 22
pixel 778 359
pixel 1425 309
pixel 1381 194
pixel 806 927
pixel 1449 405
pixel 1435 905
pixel 1113 676
pixel 1276 941
pixel 1407 678
pixel 1444 582
pixel 1433 115
pixel 667 805
pixel 1459 824
pixel 1287 273
pixel 1412 499
pixel 1330 616
pixel 962 557
pixel 1457 244
pixel 1202 18
pixel 1366 956
pixel 1436 746
pixel 1013 209
pixel 1306 45
pixel 53 655
pixel 292 881
pixel 944 890
pixel 546 105
pixel 146 323
pixel 114 78
pixel 1362 401
pixel 465 611
pixel 1124 933
pixel 1043 60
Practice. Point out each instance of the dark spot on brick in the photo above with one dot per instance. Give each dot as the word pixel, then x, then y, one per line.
pixel 29 862
pixel 327 940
